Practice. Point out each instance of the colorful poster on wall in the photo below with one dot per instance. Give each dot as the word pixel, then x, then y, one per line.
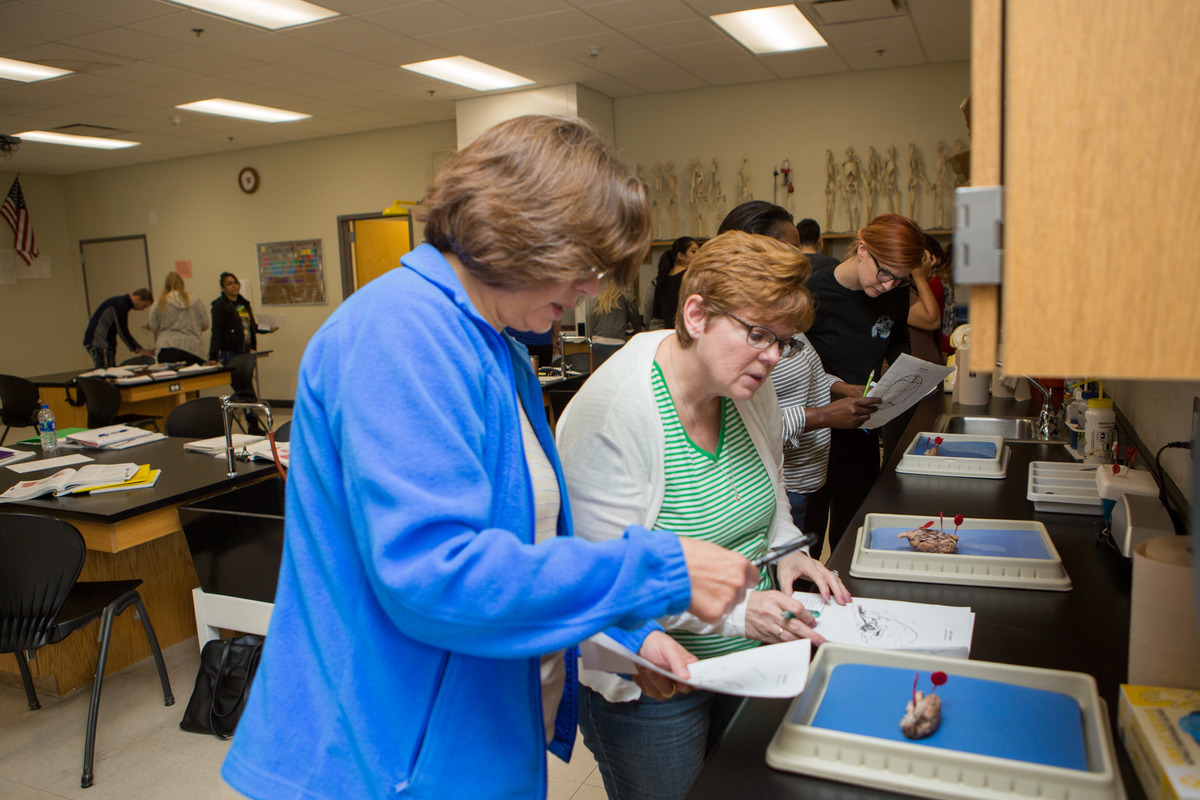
pixel 291 273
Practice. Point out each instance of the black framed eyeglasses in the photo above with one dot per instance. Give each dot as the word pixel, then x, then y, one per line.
pixel 884 275
pixel 761 338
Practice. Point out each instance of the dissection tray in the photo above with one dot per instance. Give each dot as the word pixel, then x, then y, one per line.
pixel 991 552
pixel 1007 731
pixel 1064 488
pixel 955 455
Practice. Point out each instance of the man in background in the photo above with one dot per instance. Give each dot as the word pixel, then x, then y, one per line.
pixel 810 245
pixel 111 318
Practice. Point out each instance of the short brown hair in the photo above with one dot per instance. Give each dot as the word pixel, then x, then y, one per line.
pixel 738 270
pixel 538 199
pixel 143 294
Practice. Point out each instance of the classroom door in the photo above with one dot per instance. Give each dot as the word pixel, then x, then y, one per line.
pixel 372 246
pixel 112 267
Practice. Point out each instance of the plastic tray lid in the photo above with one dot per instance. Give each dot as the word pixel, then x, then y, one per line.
pixel 1047 574
pixel 916 769
pixel 1125 481
pixel 915 462
pixel 1064 487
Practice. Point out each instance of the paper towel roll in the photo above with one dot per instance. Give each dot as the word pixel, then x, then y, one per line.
pixel 1164 646
pixel 970 388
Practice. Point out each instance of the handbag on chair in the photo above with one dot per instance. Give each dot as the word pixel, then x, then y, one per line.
pixel 227 667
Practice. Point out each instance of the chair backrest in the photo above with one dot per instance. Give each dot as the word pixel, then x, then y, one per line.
pixel 242 378
pixel 137 361
pixel 283 432
pixel 199 419
pixel 18 401
pixel 579 362
pixel 103 401
pixel 43 557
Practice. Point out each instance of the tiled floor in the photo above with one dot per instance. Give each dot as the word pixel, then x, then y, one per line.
pixel 141 754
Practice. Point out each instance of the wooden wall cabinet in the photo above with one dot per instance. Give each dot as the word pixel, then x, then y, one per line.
pixel 1087 111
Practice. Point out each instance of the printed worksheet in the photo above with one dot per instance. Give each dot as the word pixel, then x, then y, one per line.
pixel 777 670
pixel 903 386
pixel 894 624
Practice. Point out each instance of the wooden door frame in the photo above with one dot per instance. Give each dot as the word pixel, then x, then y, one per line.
pixel 83 263
pixel 346 247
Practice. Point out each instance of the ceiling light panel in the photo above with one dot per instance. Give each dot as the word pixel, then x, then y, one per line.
pixel 232 108
pixel 270 14
pixel 23 71
pixel 94 142
pixel 468 72
pixel 777 29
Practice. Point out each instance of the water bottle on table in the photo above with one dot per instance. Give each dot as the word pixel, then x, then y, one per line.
pixel 47 431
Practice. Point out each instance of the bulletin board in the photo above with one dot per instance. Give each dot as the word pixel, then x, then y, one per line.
pixel 291 273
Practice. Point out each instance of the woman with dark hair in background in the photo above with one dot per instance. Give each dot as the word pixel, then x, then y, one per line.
pixel 671 266
pixel 234 329
pixel 431 592
pixel 861 326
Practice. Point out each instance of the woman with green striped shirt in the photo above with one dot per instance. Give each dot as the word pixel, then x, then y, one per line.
pixel 681 431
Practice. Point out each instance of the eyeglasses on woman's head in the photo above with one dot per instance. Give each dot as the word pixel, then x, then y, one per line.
pixel 761 338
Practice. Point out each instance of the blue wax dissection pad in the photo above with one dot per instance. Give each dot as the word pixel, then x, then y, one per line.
pixel 1003 544
pixel 979 716
pixel 956 449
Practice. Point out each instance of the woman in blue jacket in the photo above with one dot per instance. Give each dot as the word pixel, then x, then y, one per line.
pixel 431 594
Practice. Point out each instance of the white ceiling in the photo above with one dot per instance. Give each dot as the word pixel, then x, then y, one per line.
pixel 135 60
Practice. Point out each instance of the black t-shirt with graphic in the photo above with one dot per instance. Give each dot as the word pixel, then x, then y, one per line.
pixel 854 333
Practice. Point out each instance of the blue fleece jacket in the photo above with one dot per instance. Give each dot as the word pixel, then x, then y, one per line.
pixel 402 657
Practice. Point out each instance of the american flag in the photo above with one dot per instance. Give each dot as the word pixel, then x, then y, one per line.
pixel 17 216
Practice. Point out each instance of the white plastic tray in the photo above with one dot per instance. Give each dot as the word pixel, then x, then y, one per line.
pixel 916 769
pixel 915 463
pixel 1064 487
pixel 956 568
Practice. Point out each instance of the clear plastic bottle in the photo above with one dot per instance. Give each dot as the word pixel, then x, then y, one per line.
pixel 47 431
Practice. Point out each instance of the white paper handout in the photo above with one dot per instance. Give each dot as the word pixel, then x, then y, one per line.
pixel 261 451
pixel 894 625
pixel 903 386
pixel 216 445
pixel 778 670
pixel 50 463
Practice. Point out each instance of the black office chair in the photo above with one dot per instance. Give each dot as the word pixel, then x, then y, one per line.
pixel 242 381
pixel 579 362
pixel 103 400
pixel 42 602
pixel 138 361
pixel 283 432
pixel 19 404
pixel 198 419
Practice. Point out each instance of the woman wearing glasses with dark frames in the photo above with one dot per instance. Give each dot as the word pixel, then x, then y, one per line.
pixel 861 325
pixel 680 430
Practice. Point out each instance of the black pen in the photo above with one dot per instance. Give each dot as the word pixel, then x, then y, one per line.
pixel 776 553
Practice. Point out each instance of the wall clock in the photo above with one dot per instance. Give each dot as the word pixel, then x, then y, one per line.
pixel 248 180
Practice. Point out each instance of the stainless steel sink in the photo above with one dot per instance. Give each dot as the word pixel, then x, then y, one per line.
pixel 1013 429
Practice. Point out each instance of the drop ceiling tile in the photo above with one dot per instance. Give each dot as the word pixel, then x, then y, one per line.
pixel 676 33
pixel 182 25
pixel 56 54
pixel 516 59
pixel 882 54
pixel 803 63
pixel 270 47
pixel 125 42
pixel 332 64
pixel 379 79
pixel 873 30
pixel 473 40
pixel 726 73
pixel 554 26
pixel 145 73
pixel 42 23
pixel 12 40
pixel 611 43
pixel 610 87
pixel 672 79
pixel 341 33
pixel 44 95
pixel 629 13
pixel 99 86
pixel 206 61
pixel 272 75
pixel 946 48
pixel 635 62
pixel 403 50
pixel 710 7
pixel 418 19
pixel 704 52
pixel 946 17
pixel 324 88
pixel 492 11
pixel 360 6
pixel 114 12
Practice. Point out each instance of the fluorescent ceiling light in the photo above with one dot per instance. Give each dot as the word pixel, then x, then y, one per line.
pixel 232 108
pixel 777 29
pixel 49 137
pixel 467 72
pixel 272 14
pixel 23 71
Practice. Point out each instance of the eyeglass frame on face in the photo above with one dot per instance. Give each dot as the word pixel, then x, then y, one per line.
pixel 787 347
pixel 886 276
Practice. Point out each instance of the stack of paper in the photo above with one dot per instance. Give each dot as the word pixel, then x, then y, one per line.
pixel 142 478
pixel 110 372
pixel 92 478
pixel 114 437
pixel 192 368
pixel 262 452
pixel 894 625
pixel 216 445
pixel 8 456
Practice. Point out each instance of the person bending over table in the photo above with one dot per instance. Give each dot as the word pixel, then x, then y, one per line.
pixel 177 320
pixel 431 593
pixel 112 318
pixel 680 430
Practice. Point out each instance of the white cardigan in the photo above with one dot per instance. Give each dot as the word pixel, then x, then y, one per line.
pixel 612 446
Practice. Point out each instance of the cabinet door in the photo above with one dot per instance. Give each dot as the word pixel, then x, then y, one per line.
pixel 1101 170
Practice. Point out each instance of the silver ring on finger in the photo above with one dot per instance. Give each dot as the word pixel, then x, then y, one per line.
pixel 834 573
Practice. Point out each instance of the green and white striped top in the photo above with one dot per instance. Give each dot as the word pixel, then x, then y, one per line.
pixel 726 497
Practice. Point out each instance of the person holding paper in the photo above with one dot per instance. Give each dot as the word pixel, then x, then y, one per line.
pixel 680 430
pixel 432 594
pixel 177 320
pixel 861 325
pixel 234 329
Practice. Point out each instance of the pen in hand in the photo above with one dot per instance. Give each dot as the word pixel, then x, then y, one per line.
pixel 776 553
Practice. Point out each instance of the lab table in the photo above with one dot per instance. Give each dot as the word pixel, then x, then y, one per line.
pixel 155 398
pixel 1083 630
pixel 131 534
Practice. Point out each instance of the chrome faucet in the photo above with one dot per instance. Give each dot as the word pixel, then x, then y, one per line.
pixel 1048 421
pixel 227 407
